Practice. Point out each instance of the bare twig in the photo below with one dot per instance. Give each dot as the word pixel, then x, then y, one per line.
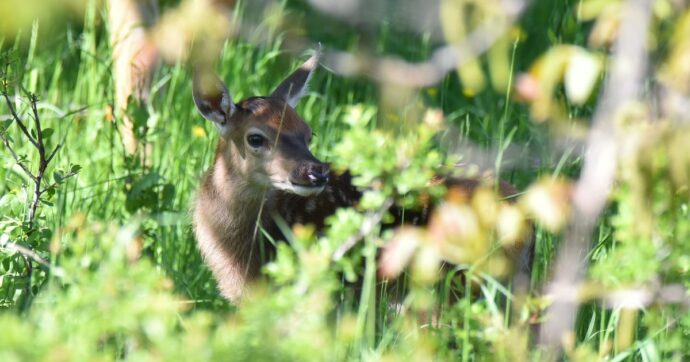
pixel 28 254
pixel 52 153
pixel 25 251
pixel 38 144
pixel 591 192
pixel 371 219
pixel 42 161
pixel 7 144
pixel 638 298
pixel 15 116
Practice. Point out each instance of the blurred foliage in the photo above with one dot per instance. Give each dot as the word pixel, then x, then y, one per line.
pixel 20 16
pixel 110 304
pixel 459 20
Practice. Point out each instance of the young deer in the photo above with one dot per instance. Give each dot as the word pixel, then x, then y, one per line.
pixel 263 171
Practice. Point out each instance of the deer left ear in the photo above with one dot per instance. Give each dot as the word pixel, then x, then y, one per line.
pixel 295 85
pixel 212 98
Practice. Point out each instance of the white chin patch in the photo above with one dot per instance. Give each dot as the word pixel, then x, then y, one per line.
pixel 299 190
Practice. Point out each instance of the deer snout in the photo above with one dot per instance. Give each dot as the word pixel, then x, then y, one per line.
pixel 311 174
pixel 318 174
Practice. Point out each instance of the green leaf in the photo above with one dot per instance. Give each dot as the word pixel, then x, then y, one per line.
pixel 58 176
pixel 47 133
pixel 4 126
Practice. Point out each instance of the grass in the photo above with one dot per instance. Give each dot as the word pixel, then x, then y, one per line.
pixel 71 73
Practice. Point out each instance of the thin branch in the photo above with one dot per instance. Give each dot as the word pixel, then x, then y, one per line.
pixel 371 219
pixel 639 298
pixel 29 277
pixel 26 252
pixel 629 298
pixel 52 153
pixel 42 161
pixel 29 255
pixel 592 190
pixel 6 142
pixel 33 99
pixel 38 143
pixel 17 119
pixel 73 112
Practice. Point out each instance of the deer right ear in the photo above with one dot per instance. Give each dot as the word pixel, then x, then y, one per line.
pixel 294 87
pixel 212 99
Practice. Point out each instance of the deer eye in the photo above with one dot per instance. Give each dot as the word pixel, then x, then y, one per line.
pixel 255 140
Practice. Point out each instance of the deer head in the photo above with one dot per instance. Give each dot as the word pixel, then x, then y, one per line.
pixel 264 142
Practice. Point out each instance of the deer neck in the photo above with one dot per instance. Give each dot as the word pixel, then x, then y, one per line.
pixel 240 196
pixel 227 217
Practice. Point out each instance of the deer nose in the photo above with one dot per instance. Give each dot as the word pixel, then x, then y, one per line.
pixel 318 174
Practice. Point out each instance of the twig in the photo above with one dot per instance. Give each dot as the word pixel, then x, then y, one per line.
pixel 52 153
pixel 15 116
pixel 593 188
pixel 29 255
pixel 38 144
pixel 638 298
pixel 42 162
pixel 630 298
pixel 26 252
pixel 6 142
pixel 371 219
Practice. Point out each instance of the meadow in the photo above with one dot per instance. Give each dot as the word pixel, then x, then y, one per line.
pixel 108 269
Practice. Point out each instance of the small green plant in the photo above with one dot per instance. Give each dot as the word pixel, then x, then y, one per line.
pixel 24 236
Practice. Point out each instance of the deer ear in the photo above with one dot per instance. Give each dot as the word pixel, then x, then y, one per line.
pixel 212 98
pixel 295 85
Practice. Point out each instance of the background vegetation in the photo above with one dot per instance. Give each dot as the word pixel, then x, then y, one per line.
pixel 107 268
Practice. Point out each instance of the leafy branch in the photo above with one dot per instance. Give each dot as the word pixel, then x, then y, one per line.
pixel 37 139
pixel 37 136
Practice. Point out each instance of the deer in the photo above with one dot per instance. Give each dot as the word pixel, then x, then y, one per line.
pixel 263 170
